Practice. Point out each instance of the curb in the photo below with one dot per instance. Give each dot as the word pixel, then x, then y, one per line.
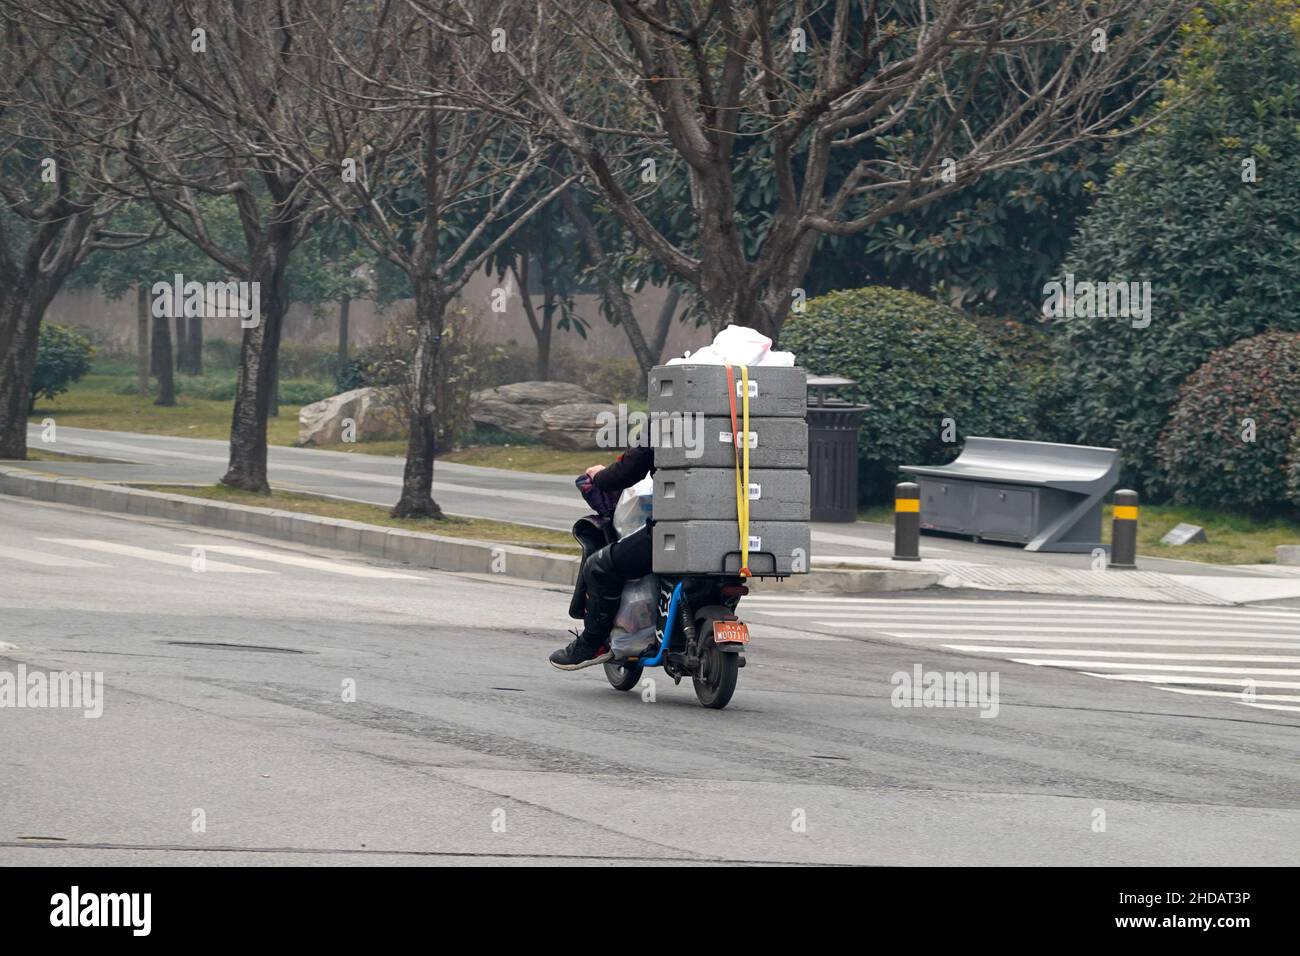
pixel 416 548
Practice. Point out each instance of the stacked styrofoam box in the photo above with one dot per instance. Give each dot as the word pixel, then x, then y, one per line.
pixel 695 529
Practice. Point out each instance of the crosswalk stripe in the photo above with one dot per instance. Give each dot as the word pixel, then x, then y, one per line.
pixel 920 630
pixel 302 561
pixel 965 614
pixel 795 602
pixel 1189 668
pixel 1276 644
pixel 46 559
pixel 1148 655
pixel 1202 692
pixel 1251 703
pixel 1192 679
pixel 159 557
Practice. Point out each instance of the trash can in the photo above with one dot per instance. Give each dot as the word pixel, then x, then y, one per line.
pixel 833 449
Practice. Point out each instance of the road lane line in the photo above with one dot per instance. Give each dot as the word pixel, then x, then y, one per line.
pixel 158 557
pixel 1191 679
pixel 1029 637
pixel 919 630
pixel 1201 692
pixel 796 601
pixel 1251 703
pixel 1189 668
pixel 47 559
pixel 1149 655
pixel 302 561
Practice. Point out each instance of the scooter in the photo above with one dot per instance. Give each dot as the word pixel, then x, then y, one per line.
pixel 696 631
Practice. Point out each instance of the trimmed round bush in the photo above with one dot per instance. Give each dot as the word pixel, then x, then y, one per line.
pixel 1228 441
pixel 62 358
pixel 1293 470
pixel 918 364
pixel 1204 207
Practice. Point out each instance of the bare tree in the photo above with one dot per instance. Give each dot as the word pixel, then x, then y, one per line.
pixel 60 113
pixel 430 181
pixel 209 79
pixel 860 109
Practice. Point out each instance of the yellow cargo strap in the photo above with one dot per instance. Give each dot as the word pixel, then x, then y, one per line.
pixel 740 454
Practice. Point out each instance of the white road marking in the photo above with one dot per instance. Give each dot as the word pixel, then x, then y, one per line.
pixel 46 559
pixel 159 557
pixel 1019 637
pixel 1189 679
pixel 920 630
pixel 303 561
pixel 1189 668
pixel 795 601
pixel 1147 655
pixel 1201 692
pixel 1250 703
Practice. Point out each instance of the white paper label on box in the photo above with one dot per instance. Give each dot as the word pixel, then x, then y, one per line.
pixel 726 439
pixel 755 543
pixel 755 491
pixel 753 389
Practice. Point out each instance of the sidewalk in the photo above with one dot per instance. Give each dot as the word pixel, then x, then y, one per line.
pixel 549 501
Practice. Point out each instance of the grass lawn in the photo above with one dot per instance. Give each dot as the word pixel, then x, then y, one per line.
pixel 478 529
pixel 102 400
pixel 1232 538
pixel 97 402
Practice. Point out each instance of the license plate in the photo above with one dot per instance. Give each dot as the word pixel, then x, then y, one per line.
pixel 730 632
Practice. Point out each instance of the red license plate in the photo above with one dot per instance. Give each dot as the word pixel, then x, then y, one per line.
pixel 730 632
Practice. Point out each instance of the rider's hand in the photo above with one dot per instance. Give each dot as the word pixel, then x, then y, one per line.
pixel 591 472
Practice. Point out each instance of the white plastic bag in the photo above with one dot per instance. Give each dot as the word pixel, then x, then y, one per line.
pixel 634 507
pixel 737 345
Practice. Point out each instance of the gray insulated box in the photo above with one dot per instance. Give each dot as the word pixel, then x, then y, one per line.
pixel 774 392
pixel 713 547
pixel 775 494
pixel 773 443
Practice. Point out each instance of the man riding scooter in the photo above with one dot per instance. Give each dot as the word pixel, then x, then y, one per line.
pixel 607 570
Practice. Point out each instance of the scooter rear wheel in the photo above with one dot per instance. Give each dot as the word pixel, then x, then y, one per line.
pixel 622 676
pixel 716 680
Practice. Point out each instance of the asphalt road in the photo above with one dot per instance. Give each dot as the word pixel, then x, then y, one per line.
pixel 224 701
pixel 548 501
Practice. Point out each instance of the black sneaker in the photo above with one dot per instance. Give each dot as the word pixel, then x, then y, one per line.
pixel 579 654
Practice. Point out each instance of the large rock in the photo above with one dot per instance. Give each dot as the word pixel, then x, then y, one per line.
pixel 575 426
pixel 518 408
pixel 376 413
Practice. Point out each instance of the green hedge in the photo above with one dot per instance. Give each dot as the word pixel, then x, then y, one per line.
pixel 62 358
pixel 916 362
pixel 1221 254
pixel 1228 441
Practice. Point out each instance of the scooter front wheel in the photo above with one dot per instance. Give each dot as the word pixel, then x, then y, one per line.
pixel 622 676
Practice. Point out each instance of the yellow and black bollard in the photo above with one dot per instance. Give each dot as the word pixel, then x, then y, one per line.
pixel 1124 531
pixel 907 521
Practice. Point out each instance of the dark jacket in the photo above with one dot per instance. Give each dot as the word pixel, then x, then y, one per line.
pixel 633 465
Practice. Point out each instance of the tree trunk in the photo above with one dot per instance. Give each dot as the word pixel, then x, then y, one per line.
pixel 345 308
pixel 194 362
pixel 20 315
pixel 664 324
pixel 273 409
pixel 142 339
pixel 611 288
pixel 182 345
pixel 417 478
pixel 162 350
pixel 258 357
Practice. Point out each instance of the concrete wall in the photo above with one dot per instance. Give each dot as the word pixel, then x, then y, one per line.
pixel 113 323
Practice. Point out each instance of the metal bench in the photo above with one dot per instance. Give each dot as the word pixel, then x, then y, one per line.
pixel 1043 495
